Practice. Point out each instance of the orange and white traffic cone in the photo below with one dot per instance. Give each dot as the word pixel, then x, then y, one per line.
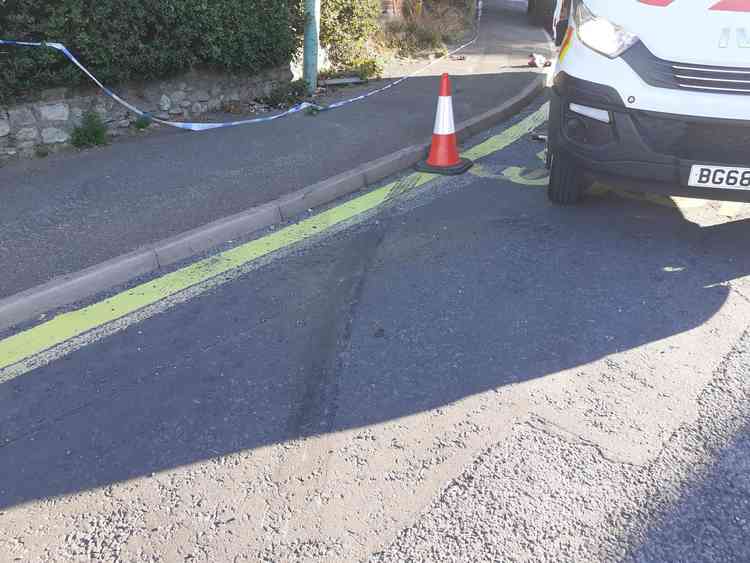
pixel 444 157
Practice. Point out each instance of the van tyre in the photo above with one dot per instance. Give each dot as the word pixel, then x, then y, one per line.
pixel 566 182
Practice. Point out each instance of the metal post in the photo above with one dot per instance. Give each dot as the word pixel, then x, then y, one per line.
pixel 312 44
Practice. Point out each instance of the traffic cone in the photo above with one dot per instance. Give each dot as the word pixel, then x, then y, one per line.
pixel 444 157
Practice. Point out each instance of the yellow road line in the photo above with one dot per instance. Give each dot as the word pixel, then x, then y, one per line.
pixel 535 178
pixel 481 172
pixel 62 328
pixel 509 136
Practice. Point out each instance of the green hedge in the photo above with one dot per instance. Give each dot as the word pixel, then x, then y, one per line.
pixel 141 39
pixel 345 27
pixel 121 40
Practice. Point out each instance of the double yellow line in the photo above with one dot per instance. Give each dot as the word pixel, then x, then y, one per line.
pixel 67 332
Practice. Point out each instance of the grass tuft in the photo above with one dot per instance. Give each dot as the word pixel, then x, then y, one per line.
pixel 92 132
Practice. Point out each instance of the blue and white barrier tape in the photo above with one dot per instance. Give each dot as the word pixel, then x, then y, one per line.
pixel 207 126
pixel 188 126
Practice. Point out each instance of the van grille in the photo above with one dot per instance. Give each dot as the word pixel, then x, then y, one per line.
pixel 684 76
pixel 712 79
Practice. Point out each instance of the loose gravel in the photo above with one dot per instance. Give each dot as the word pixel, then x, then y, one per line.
pixel 540 497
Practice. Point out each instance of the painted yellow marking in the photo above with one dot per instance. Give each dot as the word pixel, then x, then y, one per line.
pixel 509 136
pixel 531 177
pixel 69 331
pixel 524 176
pixel 69 325
pixel 535 177
pixel 481 172
pixel 664 201
pixel 599 189
pixel 672 202
pixel 503 140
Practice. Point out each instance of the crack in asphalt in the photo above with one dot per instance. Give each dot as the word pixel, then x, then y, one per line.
pixel 544 425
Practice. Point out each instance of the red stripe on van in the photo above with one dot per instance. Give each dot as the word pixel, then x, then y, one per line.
pixel 723 6
pixel 732 6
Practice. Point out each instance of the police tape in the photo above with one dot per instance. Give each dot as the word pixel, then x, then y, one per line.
pixel 220 125
pixel 416 72
pixel 179 125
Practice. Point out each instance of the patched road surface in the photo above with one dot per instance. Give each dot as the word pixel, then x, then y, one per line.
pixel 463 373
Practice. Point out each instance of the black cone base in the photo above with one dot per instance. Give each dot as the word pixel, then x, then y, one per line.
pixel 456 170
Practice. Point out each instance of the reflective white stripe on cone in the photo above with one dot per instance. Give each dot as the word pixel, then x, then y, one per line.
pixel 444 124
pixel 444 157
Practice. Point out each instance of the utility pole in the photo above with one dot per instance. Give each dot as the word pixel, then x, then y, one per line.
pixel 312 44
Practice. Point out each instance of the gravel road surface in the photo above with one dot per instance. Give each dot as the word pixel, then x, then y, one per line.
pixel 470 374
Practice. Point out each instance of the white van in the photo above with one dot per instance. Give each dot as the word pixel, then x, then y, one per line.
pixel 652 95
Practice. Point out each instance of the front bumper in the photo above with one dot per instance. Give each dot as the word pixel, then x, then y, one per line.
pixel 643 151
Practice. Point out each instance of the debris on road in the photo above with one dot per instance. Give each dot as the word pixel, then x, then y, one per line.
pixel 539 61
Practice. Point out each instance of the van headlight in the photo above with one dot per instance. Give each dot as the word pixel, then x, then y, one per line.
pixel 600 34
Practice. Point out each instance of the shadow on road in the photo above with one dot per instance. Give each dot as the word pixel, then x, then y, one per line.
pixel 710 521
pixel 474 291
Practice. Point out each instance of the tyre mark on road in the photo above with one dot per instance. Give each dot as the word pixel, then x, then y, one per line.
pixel 73 330
pixel 332 321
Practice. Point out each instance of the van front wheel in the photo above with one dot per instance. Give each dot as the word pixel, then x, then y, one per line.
pixel 566 182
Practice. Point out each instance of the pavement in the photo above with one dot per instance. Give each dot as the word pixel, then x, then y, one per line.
pixel 460 371
pixel 72 211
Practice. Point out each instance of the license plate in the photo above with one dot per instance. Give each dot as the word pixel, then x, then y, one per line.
pixel 725 177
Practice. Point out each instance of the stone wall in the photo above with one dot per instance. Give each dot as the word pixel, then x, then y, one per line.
pixel 47 121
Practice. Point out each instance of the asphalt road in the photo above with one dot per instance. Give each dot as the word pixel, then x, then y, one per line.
pixel 71 211
pixel 469 374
